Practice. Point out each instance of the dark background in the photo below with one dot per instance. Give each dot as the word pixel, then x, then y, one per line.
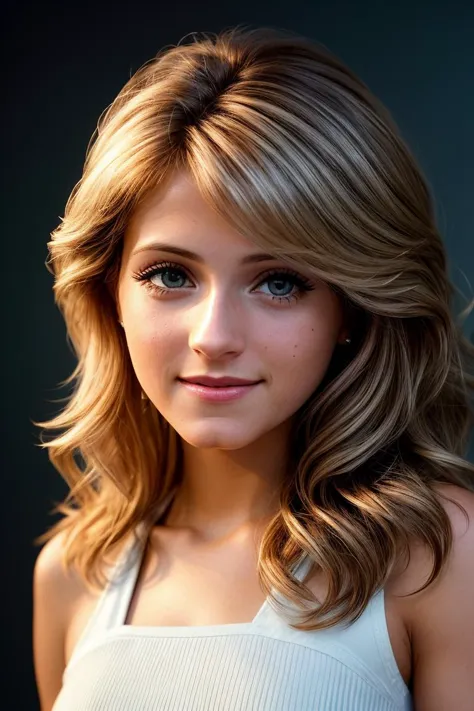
pixel 63 65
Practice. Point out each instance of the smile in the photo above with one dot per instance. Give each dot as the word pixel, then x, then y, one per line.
pixel 218 394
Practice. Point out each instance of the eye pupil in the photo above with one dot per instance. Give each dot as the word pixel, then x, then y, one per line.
pixel 280 283
pixel 176 276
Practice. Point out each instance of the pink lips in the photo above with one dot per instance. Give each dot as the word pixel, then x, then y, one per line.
pixel 215 382
pixel 230 389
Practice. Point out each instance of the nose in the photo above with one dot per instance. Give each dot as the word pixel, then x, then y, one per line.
pixel 217 326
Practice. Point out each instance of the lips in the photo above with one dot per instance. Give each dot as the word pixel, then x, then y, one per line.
pixel 222 382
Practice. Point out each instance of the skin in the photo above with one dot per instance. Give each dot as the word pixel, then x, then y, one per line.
pixel 220 319
pixel 234 457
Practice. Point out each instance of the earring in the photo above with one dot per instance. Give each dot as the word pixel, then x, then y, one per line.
pixel 348 340
pixel 121 323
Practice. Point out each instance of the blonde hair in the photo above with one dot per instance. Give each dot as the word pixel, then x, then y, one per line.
pixel 292 149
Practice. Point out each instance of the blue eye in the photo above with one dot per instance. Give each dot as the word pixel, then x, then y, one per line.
pixel 174 275
pixel 287 277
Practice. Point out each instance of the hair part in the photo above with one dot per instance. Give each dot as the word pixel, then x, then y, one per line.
pixel 291 148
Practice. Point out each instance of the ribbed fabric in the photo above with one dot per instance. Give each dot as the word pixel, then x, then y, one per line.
pixel 263 665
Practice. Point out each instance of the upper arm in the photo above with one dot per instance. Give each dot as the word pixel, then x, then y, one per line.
pixel 443 626
pixel 51 603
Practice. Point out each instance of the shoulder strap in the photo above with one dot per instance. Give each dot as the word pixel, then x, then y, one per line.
pixel 112 604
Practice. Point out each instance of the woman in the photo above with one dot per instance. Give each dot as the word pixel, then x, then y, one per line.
pixel 270 506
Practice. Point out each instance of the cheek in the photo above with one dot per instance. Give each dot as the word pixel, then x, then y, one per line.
pixel 304 361
pixel 153 352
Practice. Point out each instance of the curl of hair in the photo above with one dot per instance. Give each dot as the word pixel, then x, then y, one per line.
pixel 292 149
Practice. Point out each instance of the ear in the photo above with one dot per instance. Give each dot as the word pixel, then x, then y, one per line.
pixel 342 337
pixel 349 321
pixel 344 329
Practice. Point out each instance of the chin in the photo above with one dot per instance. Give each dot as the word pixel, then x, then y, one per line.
pixel 213 439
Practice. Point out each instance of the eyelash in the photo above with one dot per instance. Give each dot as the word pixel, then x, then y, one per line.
pixel 148 273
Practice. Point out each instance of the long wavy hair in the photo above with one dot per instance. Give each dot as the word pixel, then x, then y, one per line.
pixel 291 148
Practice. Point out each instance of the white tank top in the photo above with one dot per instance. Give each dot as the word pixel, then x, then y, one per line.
pixel 262 665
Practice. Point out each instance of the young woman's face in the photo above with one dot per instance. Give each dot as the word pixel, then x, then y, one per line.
pixel 218 315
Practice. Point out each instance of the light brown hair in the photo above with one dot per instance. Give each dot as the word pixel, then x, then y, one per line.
pixel 293 150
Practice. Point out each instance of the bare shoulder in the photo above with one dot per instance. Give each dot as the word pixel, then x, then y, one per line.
pixel 406 580
pixel 61 599
pixel 48 570
pixel 54 595
pixel 440 619
pixel 452 497
pixel 458 572
pixel 53 586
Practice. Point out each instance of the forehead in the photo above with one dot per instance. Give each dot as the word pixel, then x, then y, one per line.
pixel 177 213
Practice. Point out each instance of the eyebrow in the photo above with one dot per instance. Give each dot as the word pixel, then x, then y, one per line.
pixel 181 252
